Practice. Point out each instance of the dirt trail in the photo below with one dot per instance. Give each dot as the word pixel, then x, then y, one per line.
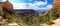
pixel 57 22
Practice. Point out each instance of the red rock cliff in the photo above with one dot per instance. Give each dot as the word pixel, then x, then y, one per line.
pixel 56 4
pixel 7 5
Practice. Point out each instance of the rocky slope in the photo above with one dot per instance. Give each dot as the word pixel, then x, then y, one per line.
pixel 6 18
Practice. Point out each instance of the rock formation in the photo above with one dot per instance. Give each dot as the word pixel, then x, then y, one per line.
pixel 27 12
pixel 56 4
pixel 6 6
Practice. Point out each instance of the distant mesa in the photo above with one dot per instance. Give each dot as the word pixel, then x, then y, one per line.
pixel 27 12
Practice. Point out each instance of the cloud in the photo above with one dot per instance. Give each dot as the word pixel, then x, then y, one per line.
pixel 19 5
pixel 40 3
pixel 31 6
pixel 48 7
pixel 30 0
pixel 4 0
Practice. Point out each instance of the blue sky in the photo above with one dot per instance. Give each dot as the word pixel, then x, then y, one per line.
pixel 0 0
pixel 32 4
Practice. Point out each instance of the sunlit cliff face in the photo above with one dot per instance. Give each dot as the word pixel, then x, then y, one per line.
pixel 56 4
pixel 7 6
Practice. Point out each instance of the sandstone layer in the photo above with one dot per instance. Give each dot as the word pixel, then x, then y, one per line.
pixel 56 4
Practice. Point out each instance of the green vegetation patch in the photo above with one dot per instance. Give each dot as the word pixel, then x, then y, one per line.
pixel 28 20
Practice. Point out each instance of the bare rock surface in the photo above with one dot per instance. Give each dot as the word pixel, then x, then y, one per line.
pixel 13 24
pixel 57 22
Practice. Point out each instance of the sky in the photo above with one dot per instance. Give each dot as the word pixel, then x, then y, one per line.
pixel 31 4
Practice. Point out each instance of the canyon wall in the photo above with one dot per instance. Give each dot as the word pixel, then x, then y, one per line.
pixel 56 4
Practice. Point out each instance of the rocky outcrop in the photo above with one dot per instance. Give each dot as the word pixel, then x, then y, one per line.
pixel 7 6
pixel 13 24
pixel 6 17
pixel 56 4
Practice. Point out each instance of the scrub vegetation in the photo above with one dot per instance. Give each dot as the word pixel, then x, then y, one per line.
pixel 7 17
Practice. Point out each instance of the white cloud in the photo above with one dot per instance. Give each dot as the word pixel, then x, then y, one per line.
pixel 36 1
pixel 3 0
pixel 40 3
pixel 30 5
pixel 49 6
pixel 30 0
pixel 19 5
